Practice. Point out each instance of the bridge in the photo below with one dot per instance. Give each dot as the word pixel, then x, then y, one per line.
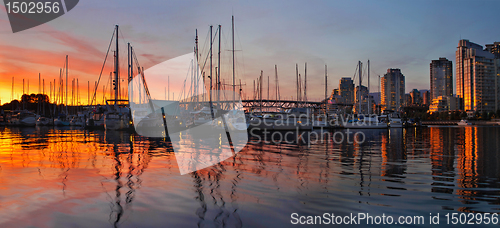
pixel 273 104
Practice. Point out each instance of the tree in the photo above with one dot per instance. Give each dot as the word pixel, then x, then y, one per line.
pixel 35 98
pixel 463 115
pixel 484 115
pixel 491 115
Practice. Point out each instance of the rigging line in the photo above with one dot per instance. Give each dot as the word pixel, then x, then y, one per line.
pixel 237 70
pixel 122 36
pixel 365 71
pixel 141 73
pixel 103 64
pixel 204 48
pixel 355 73
pixel 184 84
pixel 208 54
pixel 122 52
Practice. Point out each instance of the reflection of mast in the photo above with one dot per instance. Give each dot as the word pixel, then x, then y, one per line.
pixel 200 197
pixel 118 209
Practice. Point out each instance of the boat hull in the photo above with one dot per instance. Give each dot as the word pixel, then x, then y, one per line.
pixel 365 126
pixel 28 121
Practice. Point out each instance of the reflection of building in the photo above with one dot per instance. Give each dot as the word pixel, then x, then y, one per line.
pixel 441 78
pixel 393 148
pixel 346 90
pixel 476 79
pixel 442 155
pixel 478 157
pixel 393 90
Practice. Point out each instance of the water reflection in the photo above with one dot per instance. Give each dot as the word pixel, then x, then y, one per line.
pixel 70 177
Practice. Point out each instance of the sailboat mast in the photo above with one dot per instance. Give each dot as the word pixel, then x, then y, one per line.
pixel 218 68
pixel 369 100
pixel 305 82
pixel 77 93
pixel 276 80
pixel 260 89
pixel 131 70
pixel 326 87
pixel 117 83
pixel 211 75
pixel 197 76
pixel 128 62
pixel 66 84
pixel 12 95
pixel 297 83
pixel 232 33
pixel 359 87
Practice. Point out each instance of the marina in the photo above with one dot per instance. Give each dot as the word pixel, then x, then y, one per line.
pixel 249 114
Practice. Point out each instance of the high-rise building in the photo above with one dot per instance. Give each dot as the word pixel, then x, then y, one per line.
pixel 335 97
pixel 441 78
pixel 495 50
pixel 363 94
pixel 444 104
pixel 392 95
pixel 426 98
pixel 416 99
pixel 346 90
pixel 477 84
pixel 407 99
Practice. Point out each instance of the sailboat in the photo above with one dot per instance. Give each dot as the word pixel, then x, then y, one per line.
pixel 117 115
pixel 365 121
pixel 23 118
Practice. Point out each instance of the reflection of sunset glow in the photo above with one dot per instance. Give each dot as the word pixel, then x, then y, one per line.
pixel 117 177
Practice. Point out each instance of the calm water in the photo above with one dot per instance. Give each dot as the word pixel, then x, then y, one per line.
pixel 74 178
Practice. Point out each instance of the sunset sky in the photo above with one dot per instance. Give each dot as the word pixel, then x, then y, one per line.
pixel 392 34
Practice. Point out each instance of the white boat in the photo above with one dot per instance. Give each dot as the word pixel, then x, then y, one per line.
pixel 320 122
pixel 42 121
pixel 117 119
pixel 77 120
pixel 202 116
pixel 372 122
pixel 61 121
pixel 464 123
pixel 238 124
pixel 292 119
pixel 395 122
pixel 23 118
pixel 393 119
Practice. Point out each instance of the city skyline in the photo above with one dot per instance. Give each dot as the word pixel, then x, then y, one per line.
pixel 392 34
